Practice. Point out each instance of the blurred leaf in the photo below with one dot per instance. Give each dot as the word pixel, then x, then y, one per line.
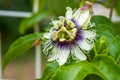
pixel 102 68
pixel 49 70
pixel 29 22
pixel 108 67
pixel 19 47
pixel 101 46
pixel 76 71
pixel 114 48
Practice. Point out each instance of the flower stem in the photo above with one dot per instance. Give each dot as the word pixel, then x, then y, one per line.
pixel 111 9
pixel 38 60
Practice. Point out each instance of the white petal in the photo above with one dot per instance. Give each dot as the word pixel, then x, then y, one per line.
pixel 83 18
pixel 47 46
pixel 76 14
pixel 78 53
pixel 85 45
pixel 89 34
pixel 63 57
pixel 68 13
pixel 55 55
pixel 47 35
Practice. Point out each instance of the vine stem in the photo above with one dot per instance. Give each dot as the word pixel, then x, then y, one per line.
pixel 111 9
pixel 0 59
pixel 38 60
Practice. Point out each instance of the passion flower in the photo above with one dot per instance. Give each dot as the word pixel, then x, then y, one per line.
pixel 71 35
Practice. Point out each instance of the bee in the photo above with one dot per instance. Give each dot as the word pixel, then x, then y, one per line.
pixel 37 42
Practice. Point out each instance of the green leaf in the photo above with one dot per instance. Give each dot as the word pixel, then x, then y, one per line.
pixel 104 27
pixel 104 21
pixel 93 77
pixel 29 22
pixel 19 47
pixel 87 70
pixel 49 70
pixel 101 20
pixel 107 66
pixel 103 30
pixel 101 46
pixel 92 1
pixel 114 48
pixel 76 71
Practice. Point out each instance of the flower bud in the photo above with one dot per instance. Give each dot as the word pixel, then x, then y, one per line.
pixel 54 35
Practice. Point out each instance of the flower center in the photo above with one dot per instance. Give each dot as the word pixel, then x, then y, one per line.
pixel 64 31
